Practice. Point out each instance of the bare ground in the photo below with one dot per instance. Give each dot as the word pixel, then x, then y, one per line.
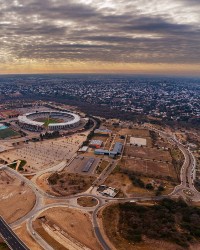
pixel 16 198
pixel 122 182
pixel 77 224
pixel 26 238
pixel 149 167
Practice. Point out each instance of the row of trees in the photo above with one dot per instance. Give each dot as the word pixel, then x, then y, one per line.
pixel 50 135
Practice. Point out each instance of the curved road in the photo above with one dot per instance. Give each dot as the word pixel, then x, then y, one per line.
pixel 187 176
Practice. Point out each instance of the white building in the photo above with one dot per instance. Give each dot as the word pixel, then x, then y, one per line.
pixel 138 141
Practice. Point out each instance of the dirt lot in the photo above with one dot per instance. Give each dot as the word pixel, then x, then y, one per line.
pixel 104 164
pixel 68 183
pixel 26 238
pixel 77 165
pixel 147 153
pixel 121 182
pixel 87 201
pixel 70 221
pixel 149 167
pixel 135 132
pixel 16 198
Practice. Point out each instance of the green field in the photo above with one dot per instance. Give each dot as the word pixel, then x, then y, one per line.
pixel 48 121
pixel 6 133
pixel 51 120
pixel 21 165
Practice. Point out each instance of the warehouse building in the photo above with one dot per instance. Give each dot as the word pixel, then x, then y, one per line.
pixel 95 143
pixel 117 150
pixel 88 165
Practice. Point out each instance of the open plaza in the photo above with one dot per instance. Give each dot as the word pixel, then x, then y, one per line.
pixel 44 154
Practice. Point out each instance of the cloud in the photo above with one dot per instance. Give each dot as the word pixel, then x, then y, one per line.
pixel 127 31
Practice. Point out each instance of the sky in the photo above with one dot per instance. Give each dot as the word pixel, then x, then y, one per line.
pixel 100 36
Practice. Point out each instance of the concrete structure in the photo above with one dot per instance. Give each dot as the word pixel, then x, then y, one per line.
pixel 117 150
pixel 138 141
pixel 27 121
pixel 109 191
pixel 96 143
pixel 88 165
pixel 83 149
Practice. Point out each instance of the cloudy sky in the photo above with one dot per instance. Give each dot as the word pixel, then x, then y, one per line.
pixel 125 36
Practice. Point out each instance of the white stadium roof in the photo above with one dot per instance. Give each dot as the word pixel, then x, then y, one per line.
pixel 26 118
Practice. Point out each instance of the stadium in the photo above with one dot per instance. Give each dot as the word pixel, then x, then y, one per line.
pixel 49 121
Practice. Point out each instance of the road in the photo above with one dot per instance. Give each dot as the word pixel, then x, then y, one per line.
pixel 185 189
pixel 10 237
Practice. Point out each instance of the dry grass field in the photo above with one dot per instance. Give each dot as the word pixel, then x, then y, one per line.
pixel 149 167
pixel 147 153
pixel 26 238
pixel 75 223
pixel 136 132
pixel 122 182
pixel 104 164
pixel 87 201
pixel 16 198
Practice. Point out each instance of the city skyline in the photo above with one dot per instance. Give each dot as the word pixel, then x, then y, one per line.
pixel 150 37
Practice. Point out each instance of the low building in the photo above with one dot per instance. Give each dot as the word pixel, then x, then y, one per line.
pixel 136 141
pixel 96 143
pixel 108 191
pixel 83 149
pixel 88 165
pixel 102 152
pixel 117 150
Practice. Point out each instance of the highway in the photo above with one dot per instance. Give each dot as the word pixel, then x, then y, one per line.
pixel 185 189
pixel 10 237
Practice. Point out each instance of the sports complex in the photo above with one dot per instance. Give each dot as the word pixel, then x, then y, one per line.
pixel 48 120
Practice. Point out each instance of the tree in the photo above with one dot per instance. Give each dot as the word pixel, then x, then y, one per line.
pixel 149 186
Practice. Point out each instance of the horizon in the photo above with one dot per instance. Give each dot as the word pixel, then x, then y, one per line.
pixel 105 74
pixel 91 37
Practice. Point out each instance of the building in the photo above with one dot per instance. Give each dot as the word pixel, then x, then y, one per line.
pixel 96 143
pixel 29 121
pixel 138 141
pixel 107 191
pixel 88 165
pixel 117 150
pixel 83 149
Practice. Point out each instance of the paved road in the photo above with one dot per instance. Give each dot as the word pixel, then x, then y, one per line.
pixel 186 189
pixel 10 237
pixel 187 176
